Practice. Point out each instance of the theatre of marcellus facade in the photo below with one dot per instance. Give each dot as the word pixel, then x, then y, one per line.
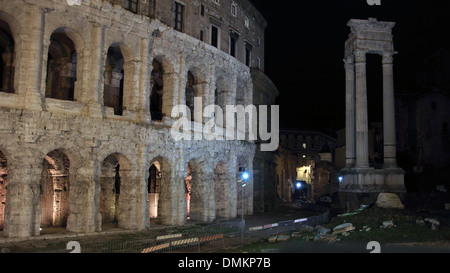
pixel 86 93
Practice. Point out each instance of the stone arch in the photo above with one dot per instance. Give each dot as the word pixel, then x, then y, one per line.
pixel 7 57
pixel 159 187
pixel 194 191
pixel 115 192
pixel 58 173
pixel 114 80
pixel 62 62
pixel 190 92
pixel 196 86
pixel 3 187
pixel 119 72
pixel 157 89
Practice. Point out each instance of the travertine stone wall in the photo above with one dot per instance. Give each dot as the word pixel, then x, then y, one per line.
pixel 87 132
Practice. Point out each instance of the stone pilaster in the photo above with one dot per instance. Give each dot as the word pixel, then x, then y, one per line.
pixel 93 91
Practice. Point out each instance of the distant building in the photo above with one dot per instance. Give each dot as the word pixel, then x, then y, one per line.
pixel 423 115
pixel 423 130
pixel 305 156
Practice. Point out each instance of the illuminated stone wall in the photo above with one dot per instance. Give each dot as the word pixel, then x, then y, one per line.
pixel 86 132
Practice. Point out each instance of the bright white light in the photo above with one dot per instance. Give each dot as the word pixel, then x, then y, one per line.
pixel 245 175
pixel 341 179
pixel 299 185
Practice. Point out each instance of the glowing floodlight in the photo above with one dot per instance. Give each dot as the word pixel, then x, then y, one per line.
pixel 245 175
pixel 298 185
pixel 341 179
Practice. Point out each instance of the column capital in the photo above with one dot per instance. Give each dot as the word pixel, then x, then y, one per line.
pixel 360 56
pixel 349 62
pixel 388 57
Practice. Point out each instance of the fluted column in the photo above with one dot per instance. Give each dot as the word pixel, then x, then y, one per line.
pixel 350 156
pixel 362 128
pixel 388 111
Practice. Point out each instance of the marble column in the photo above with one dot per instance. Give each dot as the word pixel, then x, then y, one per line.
pixel 361 116
pixel 350 156
pixel 388 111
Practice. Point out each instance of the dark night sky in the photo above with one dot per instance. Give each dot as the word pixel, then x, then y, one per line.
pixel 305 48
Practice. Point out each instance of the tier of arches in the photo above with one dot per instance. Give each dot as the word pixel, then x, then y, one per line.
pixel 205 195
pixel 66 64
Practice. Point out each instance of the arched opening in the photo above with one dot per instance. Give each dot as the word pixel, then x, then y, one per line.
pixel 3 187
pixel 6 58
pixel 190 93
pixel 114 80
pixel 154 188
pixel 110 182
pixel 55 189
pixel 156 94
pixel 221 190
pixel 61 67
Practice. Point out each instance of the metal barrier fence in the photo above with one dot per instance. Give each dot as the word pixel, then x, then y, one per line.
pixel 216 236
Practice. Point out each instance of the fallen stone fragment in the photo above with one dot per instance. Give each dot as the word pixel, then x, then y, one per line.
pixel 387 224
pixel 325 238
pixel 283 238
pixel 273 239
pixel 420 222
pixel 322 230
pixel 434 223
pixel 389 201
pixel 279 238
pixel 343 228
pixel 296 234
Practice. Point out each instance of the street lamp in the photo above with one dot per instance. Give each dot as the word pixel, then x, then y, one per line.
pixel 245 176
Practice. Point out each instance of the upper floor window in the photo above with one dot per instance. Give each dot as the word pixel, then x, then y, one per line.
pixel 202 10
pixel 233 42
pixel 7 56
pixel 248 54
pixel 179 16
pixel 214 36
pixel 131 5
pixel 247 21
pixel 234 9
